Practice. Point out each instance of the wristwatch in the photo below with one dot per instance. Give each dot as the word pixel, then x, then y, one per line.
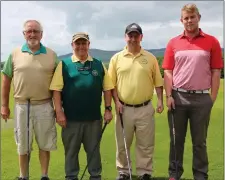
pixel 109 108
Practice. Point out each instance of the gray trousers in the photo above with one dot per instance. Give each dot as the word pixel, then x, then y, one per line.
pixel 196 108
pixel 73 136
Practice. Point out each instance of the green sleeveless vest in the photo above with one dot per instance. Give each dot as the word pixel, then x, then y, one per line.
pixel 82 91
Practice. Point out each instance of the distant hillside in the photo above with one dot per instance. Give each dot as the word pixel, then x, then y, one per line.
pixel 106 55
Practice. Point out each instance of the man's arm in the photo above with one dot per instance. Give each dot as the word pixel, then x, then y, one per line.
pixel 158 83
pixel 7 74
pixel 216 64
pixel 107 87
pixel 57 101
pixel 168 81
pixel 108 97
pixel 159 92
pixel 115 95
pixel 6 82
pixel 215 83
pixel 57 86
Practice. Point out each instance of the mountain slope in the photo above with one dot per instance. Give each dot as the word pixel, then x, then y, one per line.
pixel 106 55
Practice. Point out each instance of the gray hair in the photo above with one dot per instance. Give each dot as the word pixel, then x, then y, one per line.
pixel 24 25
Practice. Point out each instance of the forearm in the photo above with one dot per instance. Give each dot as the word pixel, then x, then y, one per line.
pixel 57 101
pixel 168 82
pixel 115 95
pixel 159 92
pixel 6 82
pixel 215 83
pixel 108 97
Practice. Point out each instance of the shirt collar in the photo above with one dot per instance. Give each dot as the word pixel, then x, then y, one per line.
pixel 125 51
pixel 42 49
pixel 76 59
pixel 201 34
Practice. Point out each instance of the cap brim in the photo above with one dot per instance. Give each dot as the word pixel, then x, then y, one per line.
pixel 80 38
pixel 133 31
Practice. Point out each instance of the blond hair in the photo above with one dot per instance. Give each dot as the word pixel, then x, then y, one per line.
pixel 191 8
pixel 24 25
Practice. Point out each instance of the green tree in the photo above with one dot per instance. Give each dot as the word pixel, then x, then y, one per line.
pixel 160 61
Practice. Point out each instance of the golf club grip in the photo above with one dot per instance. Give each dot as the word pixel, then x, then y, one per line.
pixel 121 119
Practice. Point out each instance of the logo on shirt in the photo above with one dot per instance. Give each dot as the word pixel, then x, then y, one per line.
pixel 144 61
pixel 95 73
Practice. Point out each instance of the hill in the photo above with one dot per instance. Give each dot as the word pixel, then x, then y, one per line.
pixel 105 56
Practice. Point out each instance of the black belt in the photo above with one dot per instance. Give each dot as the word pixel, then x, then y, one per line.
pixel 136 105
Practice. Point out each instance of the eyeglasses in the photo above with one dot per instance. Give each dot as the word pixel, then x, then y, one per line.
pixel 32 31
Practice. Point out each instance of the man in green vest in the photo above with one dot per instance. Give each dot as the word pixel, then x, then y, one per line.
pixel 77 87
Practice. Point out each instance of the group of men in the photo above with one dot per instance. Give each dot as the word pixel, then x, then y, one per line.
pixel 70 91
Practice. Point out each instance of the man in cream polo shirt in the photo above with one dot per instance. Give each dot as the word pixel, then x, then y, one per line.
pixel 31 68
pixel 135 73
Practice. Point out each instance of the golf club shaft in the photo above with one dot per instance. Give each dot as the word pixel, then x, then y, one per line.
pixel 174 142
pixel 103 129
pixel 28 136
pixel 125 144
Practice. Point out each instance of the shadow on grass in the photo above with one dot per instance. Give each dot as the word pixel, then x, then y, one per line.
pixel 134 177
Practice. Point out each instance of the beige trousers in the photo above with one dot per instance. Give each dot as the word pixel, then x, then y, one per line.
pixel 138 121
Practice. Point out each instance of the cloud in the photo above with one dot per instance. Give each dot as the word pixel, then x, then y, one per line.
pixel 104 21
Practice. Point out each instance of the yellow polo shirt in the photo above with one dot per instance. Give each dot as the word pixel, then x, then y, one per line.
pixel 135 76
pixel 57 80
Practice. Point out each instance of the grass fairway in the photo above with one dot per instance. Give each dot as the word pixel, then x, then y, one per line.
pixel 215 146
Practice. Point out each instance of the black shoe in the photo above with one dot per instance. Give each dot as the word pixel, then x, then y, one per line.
pixel 145 177
pixel 45 178
pixel 123 177
pixel 19 178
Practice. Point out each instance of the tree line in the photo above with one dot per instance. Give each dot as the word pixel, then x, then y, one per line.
pixel 160 60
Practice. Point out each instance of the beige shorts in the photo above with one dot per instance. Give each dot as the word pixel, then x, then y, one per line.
pixel 41 124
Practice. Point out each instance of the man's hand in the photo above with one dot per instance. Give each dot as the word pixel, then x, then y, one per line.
pixel 61 119
pixel 5 112
pixel 213 98
pixel 160 107
pixel 108 116
pixel 170 103
pixel 119 107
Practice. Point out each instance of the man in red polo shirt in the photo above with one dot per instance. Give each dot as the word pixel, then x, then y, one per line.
pixel 192 65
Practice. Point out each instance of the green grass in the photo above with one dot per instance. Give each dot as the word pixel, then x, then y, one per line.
pixel 215 146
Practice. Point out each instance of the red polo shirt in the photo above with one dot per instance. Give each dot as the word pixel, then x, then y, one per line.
pixel 192 60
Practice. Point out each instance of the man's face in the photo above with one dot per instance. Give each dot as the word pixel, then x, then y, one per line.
pixel 190 21
pixel 133 39
pixel 81 47
pixel 33 33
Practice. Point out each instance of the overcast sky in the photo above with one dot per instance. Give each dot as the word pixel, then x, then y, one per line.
pixel 104 21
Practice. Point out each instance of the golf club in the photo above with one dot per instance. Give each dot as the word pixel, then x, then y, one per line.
pixel 28 138
pixel 103 129
pixel 125 144
pixel 174 142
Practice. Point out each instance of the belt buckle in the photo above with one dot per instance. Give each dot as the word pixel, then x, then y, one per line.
pixel 191 91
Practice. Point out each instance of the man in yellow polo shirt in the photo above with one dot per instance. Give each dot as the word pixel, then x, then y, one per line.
pixel 77 87
pixel 135 73
pixel 31 68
